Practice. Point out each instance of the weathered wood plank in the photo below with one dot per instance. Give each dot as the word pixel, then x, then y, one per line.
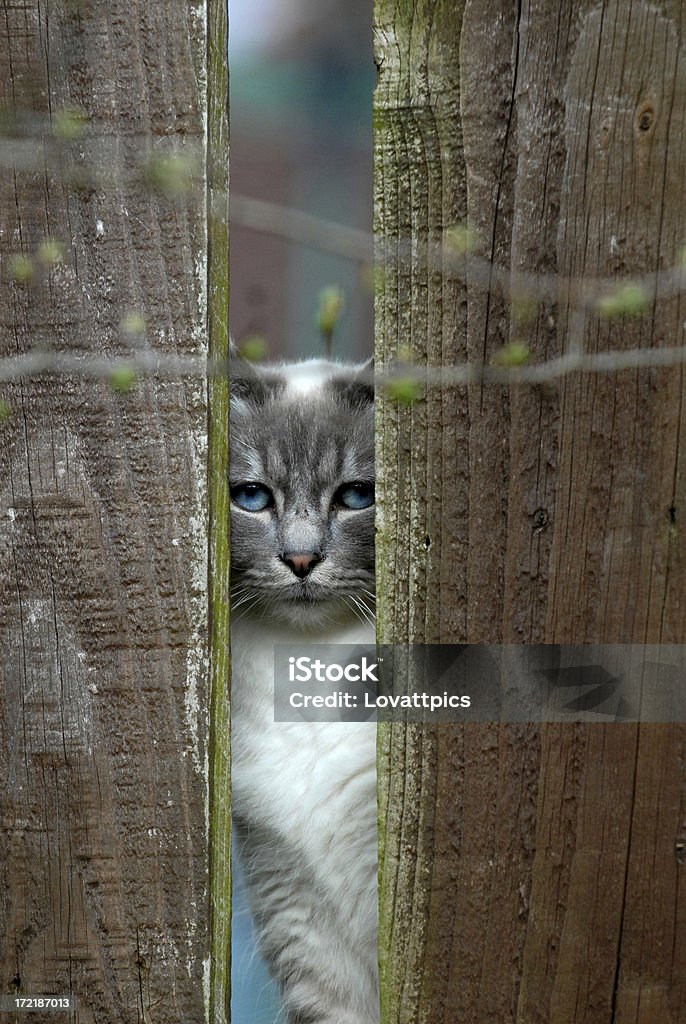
pixel 531 874
pixel 103 723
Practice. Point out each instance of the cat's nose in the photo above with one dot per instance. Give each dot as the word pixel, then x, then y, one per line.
pixel 301 562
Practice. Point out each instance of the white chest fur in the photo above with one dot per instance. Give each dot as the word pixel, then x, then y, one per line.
pixel 311 788
pixel 309 780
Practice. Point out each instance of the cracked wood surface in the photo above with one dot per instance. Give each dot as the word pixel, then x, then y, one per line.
pixel 531 875
pixel 103 602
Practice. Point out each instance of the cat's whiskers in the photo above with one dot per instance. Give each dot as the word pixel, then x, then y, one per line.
pixel 358 609
pixel 246 599
pixel 245 610
pixel 237 601
pixel 368 603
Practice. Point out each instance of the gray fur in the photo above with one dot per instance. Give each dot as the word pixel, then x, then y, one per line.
pixel 304 794
pixel 304 448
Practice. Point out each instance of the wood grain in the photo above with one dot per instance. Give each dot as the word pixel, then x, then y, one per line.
pixel 103 601
pixel 531 874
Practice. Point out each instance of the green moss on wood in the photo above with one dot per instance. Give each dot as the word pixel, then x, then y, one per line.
pixel 218 471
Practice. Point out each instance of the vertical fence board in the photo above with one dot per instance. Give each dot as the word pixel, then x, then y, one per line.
pixel 103 596
pixel 530 874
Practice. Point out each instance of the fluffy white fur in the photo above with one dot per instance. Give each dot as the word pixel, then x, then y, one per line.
pixel 305 377
pixel 309 790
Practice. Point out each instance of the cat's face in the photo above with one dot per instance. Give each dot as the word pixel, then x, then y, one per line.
pixel 302 493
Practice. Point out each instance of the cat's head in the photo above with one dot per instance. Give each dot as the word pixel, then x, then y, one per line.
pixel 302 492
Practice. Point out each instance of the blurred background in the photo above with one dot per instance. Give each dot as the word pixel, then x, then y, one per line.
pixel 302 76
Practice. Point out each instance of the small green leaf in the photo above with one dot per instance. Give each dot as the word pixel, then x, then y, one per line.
pixel 21 268
pixel 123 378
pixel 69 124
pixel 254 348
pixel 404 390
pixel 5 410
pixel 627 300
pixel 514 354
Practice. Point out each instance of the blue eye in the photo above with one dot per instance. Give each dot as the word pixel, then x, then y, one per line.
pixel 355 495
pixel 252 497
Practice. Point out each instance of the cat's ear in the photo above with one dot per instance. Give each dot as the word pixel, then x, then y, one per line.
pixel 248 383
pixel 357 387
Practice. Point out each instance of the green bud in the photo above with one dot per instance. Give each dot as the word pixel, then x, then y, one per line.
pixel 254 348
pixel 627 300
pixel 123 378
pixel 514 354
pixel 404 390
pixel 21 268
pixel 69 124
pixel 330 309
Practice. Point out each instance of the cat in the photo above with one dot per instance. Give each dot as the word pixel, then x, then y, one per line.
pixel 304 794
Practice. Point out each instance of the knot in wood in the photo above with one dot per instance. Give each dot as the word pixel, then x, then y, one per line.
pixel 645 117
pixel 540 519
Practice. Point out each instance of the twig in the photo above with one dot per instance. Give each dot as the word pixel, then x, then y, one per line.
pixel 325 235
pixel 33 364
